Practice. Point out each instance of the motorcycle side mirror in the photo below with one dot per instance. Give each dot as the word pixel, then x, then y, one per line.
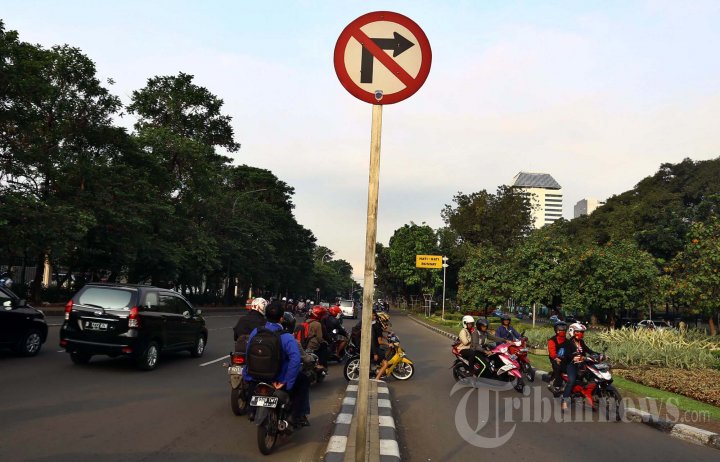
pixel 522 334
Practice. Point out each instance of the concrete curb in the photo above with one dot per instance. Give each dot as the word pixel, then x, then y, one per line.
pixel 382 434
pixel 676 430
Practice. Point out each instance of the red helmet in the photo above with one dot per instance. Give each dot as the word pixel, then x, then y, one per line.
pixel 335 311
pixel 317 312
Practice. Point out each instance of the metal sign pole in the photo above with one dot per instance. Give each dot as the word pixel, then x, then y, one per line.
pixel 445 265
pixel 368 285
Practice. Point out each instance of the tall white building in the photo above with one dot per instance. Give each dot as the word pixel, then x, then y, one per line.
pixel 586 206
pixel 545 196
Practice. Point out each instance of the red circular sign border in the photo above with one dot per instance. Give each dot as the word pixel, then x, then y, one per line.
pixel 347 34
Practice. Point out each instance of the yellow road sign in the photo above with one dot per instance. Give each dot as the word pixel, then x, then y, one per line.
pixel 428 261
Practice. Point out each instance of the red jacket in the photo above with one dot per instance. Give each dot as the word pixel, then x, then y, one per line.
pixel 553 342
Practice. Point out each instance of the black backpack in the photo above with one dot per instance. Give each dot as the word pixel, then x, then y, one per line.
pixel 264 354
pixel 356 333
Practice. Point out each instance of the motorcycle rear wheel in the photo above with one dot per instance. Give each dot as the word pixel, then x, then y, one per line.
pixel 403 371
pixel 267 433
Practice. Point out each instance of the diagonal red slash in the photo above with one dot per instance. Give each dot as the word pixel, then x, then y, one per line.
pixel 383 57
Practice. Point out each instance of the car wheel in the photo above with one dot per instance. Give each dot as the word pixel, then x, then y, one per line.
pixel 149 358
pixel 30 343
pixel 199 348
pixel 80 358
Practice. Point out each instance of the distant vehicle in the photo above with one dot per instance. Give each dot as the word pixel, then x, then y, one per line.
pixel 348 308
pixel 554 318
pixel 130 320
pixel 22 327
pixel 652 324
pixel 325 304
pixel 497 313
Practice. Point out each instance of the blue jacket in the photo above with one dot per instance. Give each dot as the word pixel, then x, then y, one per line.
pixel 291 361
pixel 508 333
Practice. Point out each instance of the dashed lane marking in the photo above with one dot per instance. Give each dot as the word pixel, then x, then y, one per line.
pixel 214 361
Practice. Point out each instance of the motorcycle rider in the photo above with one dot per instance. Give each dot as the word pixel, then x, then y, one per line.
pixel 288 322
pixel 506 331
pixel 247 323
pixel 574 355
pixel 466 347
pixel 380 346
pixel 317 339
pixel 482 339
pixel 335 330
pixel 556 351
pixel 290 376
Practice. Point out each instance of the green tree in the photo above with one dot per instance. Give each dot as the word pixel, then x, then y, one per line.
pixel 485 280
pixel 501 220
pixel 55 126
pixel 604 280
pixel 405 244
pixel 697 269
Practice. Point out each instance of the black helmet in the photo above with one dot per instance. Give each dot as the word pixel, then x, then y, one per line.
pixel 481 322
pixel 560 325
pixel 288 321
pixel 505 317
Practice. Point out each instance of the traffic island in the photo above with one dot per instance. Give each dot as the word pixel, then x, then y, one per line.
pixel 381 444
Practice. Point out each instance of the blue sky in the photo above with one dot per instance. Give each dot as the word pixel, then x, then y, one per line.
pixel 596 93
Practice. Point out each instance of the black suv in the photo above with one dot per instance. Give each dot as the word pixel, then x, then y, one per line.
pixel 22 327
pixel 130 320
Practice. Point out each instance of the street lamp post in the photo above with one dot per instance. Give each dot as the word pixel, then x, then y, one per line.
pixel 228 296
pixel 445 265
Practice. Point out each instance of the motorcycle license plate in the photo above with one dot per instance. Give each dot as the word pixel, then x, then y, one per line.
pixel 506 368
pixel 234 370
pixel 94 325
pixel 264 401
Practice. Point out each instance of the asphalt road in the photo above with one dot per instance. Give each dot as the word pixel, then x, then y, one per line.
pixel 53 410
pixel 431 419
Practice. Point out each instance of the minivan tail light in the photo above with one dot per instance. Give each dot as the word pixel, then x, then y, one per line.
pixel 68 309
pixel 133 319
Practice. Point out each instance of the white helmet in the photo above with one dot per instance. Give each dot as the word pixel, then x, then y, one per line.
pixel 468 319
pixel 259 305
pixel 575 327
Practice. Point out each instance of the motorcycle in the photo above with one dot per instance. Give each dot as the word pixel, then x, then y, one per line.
pixel 272 408
pixel 348 350
pixel 502 365
pixel 593 385
pixel 519 349
pixel 238 386
pixel 311 368
pixel 399 365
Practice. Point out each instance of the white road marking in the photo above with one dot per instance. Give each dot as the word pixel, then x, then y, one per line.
pixel 54 325
pixel 61 351
pixel 220 328
pixel 214 361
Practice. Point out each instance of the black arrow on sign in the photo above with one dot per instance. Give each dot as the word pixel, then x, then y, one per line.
pixel 398 44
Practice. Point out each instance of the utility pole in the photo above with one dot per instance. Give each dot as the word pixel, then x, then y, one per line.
pixel 445 265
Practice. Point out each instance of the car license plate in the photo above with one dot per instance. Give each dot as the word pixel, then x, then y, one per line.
pixel 234 370
pixel 95 325
pixel 264 401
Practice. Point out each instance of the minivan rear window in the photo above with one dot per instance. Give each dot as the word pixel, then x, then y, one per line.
pixel 106 297
pixel 346 303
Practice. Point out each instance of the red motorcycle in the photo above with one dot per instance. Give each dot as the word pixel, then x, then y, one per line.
pixel 593 385
pixel 520 350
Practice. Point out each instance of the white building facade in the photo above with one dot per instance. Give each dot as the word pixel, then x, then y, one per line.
pixel 545 194
pixel 586 207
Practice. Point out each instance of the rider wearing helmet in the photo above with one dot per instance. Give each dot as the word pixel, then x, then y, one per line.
pixel 254 318
pixel 574 355
pixel 335 330
pixel 288 322
pixel 506 331
pixel 317 338
pixel 465 341
pixel 482 337
pixel 556 351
